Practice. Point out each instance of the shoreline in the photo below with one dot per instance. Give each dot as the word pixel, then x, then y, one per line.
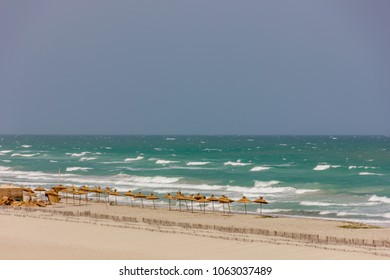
pixel 117 227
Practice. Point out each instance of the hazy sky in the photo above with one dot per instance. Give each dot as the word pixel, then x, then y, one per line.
pixel 195 67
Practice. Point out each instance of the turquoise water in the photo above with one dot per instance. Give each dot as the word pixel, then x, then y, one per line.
pixel 343 177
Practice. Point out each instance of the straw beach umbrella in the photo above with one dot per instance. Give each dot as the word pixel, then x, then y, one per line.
pixel 244 200
pixel 213 199
pixel 116 194
pixel 180 197
pixel 107 191
pixel 86 190
pixel 80 193
pixel 141 196
pixel 261 201
pixel 203 200
pixel 192 199
pixel 225 200
pixel 130 194
pixel 153 198
pixel 169 197
pixel 98 192
pixel 39 189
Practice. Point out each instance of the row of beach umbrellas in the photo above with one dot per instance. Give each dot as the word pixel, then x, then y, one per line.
pixel 107 192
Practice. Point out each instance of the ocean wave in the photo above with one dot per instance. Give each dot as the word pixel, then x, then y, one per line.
pixel 260 168
pixel 26 146
pixel 78 154
pixel 237 163
pixel 6 160
pixel 382 199
pixel 346 214
pixel 134 159
pixel 323 166
pixel 23 155
pixel 260 184
pixel 162 161
pixel 76 168
pixel 326 204
pixel 369 174
pixel 268 188
pixel 170 139
pixel 212 150
pixel 190 163
pixel 148 179
pixel 6 151
pixel 87 158
pixel 361 167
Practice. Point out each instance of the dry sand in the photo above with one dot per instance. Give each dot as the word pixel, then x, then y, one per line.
pixel 101 231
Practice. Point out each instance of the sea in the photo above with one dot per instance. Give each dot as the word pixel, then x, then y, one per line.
pixel 325 177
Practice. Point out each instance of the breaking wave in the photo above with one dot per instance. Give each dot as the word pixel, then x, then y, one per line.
pixel 260 168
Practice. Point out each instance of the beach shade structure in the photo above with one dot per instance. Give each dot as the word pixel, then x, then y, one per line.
pixel 116 194
pixel 213 199
pixel 152 197
pixel 80 193
pixel 52 196
pixel 58 188
pixel 30 195
pixel 107 191
pixel 169 197
pixel 130 194
pixel 198 196
pixel 73 191
pixel 245 201
pixel 260 201
pixel 67 191
pixel 203 200
pixel 180 197
pixel 86 190
pixel 39 189
pixel 28 190
pixel 192 199
pixel 141 196
pixel 98 192
pixel 225 200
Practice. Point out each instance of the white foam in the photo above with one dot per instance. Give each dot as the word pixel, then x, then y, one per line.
pixel 162 161
pixel 6 151
pixel 134 159
pixel 76 168
pixel 53 161
pixel 87 158
pixel 321 167
pixel 237 163
pixel 260 184
pixel 260 168
pixel 361 167
pixel 6 160
pixel 369 174
pixel 376 198
pixel 23 155
pixel 170 139
pixel 78 154
pixel 197 163
pixel 108 148
pixel 212 150
pixel 26 146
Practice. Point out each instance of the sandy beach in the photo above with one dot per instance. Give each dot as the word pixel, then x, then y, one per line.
pixel 102 231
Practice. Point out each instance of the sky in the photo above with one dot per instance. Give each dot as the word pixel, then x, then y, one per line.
pixel 195 67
